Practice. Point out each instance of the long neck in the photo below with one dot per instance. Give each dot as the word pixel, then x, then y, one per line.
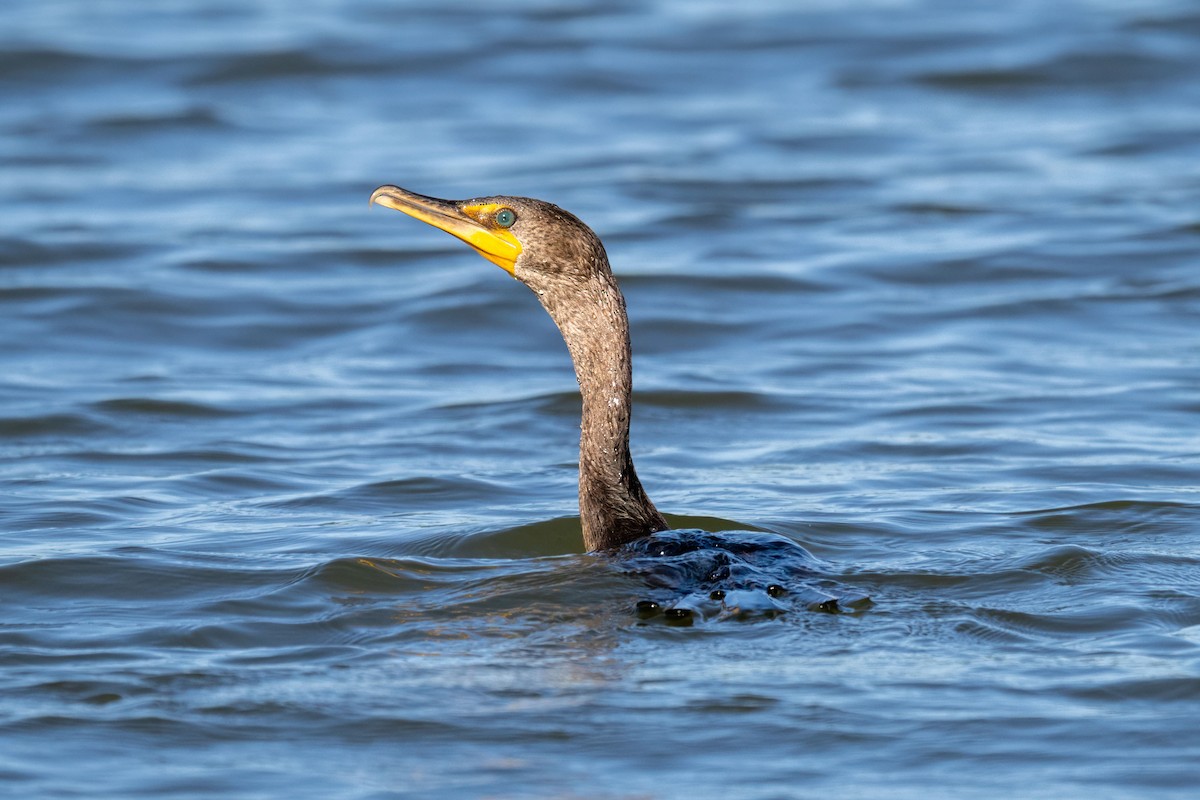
pixel 613 507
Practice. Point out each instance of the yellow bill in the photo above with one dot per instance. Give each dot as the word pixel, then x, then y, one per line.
pixel 472 224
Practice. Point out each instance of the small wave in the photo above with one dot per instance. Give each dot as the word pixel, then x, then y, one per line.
pixel 1112 71
pixel 154 407
pixel 403 493
pixel 32 252
pixel 279 65
pixel 192 120
pixel 54 425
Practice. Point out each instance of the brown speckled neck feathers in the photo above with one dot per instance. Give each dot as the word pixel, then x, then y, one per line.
pixel 564 263
pixel 569 271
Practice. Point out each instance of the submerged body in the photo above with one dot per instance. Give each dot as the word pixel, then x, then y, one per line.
pixel 698 574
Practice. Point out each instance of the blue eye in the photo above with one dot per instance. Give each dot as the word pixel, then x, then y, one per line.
pixel 505 217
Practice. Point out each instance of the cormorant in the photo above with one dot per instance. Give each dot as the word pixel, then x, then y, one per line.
pixel 696 574
pixel 559 257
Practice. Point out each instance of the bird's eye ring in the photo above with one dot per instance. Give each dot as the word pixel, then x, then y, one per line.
pixel 505 217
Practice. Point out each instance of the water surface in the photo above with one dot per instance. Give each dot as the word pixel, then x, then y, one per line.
pixel 287 484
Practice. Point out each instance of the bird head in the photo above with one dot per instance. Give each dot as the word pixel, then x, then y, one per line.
pixel 532 240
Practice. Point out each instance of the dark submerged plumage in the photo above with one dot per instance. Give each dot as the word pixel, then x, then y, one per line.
pixel 697 575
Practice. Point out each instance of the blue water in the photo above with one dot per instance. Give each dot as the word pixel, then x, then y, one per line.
pixel 287 483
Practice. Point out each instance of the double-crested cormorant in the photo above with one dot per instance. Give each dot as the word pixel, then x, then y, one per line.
pixel 564 263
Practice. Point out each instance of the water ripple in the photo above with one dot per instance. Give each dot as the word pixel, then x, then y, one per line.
pixel 288 481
